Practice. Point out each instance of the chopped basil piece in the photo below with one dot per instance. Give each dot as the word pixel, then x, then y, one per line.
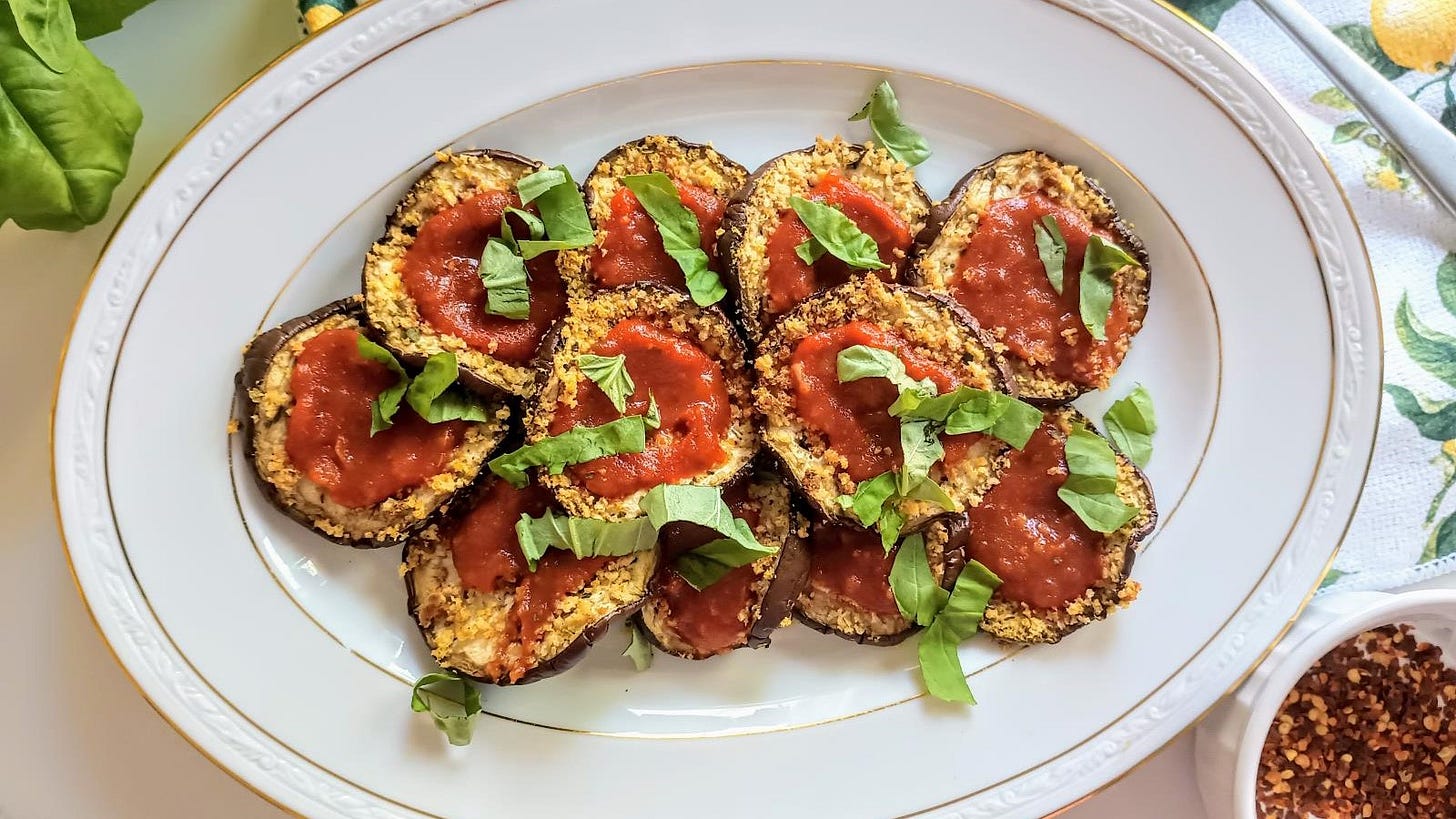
pixel 838 234
pixel 1090 489
pixel 386 404
pixel 931 491
pixel 583 537
pixel 1131 423
pixel 862 361
pixel 563 211
pixel 430 395
pixel 575 446
pixel 889 525
pixel 535 228
pixel 453 703
pixel 902 141
pixel 920 444
pixel 968 409
pixel 809 250
pixel 654 415
pixel 504 275
pixel 609 373
pixel 638 650
pixel 704 505
pixel 917 594
pixel 869 498
pixel 1052 248
pixel 533 185
pixel 681 235
pixel 957 621
pixel 1099 263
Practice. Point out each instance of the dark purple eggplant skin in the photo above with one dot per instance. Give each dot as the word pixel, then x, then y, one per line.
pixel 955 556
pixel 641 144
pixel 735 224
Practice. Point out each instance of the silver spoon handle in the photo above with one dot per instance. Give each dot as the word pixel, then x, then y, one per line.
pixel 1426 144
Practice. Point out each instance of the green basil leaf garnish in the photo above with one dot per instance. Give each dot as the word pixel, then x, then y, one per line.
pixel 681 235
pixel 535 228
pixel 968 409
pixel 920 444
pixel 48 28
pixel 583 537
pixel 1131 423
pixel 1099 263
pixel 609 373
pixel 704 505
pixel 889 525
pixel 1052 248
pixel 654 415
pixel 503 273
pixel 1090 489
pixel 386 404
pixel 902 141
pixel 862 361
pixel 957 621
pixel 430 396
pixel 838 234
pixel 638 650
pixel 809 250
pixel 869 498
pixel 563 211
pixel 452 701
pixel 575 446
pixel 917 594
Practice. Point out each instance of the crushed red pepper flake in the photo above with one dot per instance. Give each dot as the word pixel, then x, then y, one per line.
pixel 1369 731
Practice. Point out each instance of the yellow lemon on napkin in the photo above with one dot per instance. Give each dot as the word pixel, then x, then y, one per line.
pixel 1417 34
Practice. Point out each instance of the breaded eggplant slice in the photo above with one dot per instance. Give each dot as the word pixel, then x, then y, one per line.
pixel 747 604
pixel 757 209
pixel 480 607
pixel 1043 552
pixel 673 348
pixel 266 398
pixel 1062 365
pixel 934 330
pixel 495 353
pixel 628 249
pixel 838 598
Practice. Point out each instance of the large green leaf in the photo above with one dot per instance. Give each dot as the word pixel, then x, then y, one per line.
pixel 1435 352
pixel 1442 542
pixel 1206 12
pixel 1448 118
pixel 1361 40
pixel 67 137
pixel 1446 282
pixel 1436 421
pixel 95 17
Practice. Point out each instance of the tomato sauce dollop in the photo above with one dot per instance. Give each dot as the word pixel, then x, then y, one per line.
pixel 1044 554
pixel 855 415
pixel 850 562
pixel 1000 279
pixel 632 251
pixel 328 428
pixel 791 280
pixel 692 398
pixel 707 619
pixel 488 558
pixel 441 273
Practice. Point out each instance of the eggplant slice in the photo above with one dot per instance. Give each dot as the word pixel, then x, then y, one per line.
pixel 934 327
pixel 685 162
pixel 755 212
pixel 478 633
pixel 954 221
pixel 769 595
pixel 396 316
pixel 1018 621
pixel 824 606
pixel 265 395
pixel 672 313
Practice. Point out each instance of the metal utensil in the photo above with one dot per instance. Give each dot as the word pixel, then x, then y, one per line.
pixel 1429 148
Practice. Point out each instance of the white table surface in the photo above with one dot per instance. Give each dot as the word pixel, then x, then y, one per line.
pixel 76 739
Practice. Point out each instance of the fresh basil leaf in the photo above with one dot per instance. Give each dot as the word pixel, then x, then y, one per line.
pixel 503 273
pixel 535 228
pixel 681 235
pixel 889 525
pixel 862 361
pixel 704 506
pixel 1090 489
pixel 609 373
pixel 49 29
pixel 452 701
pixel 957 621
pixel 430 396
pixel 940 665
pixel 920 444
pixel 67 137
pixel 386 404
pixel 902 141
pixel 1017 422
pixel 97 17
pixel 809 250
pixel 1052 248
pixel 917 405
pixel 931 491
pixel 869 498
pixel 838 234
pixel 968 409
pixel 707 564
pixel 654 415
pixel 583 537
pixel 1100 262
pixel 563 211
pixel 575 446
pixel 1131 423
pixel 917 594
pixel 638 650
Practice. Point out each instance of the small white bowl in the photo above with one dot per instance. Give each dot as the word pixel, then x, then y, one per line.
pixel 1230 740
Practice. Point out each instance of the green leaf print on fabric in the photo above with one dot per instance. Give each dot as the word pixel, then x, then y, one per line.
pixel 1206 12
pixel 1361 40
pixel 1442 542
pixel 1435 420
pixel 1435 352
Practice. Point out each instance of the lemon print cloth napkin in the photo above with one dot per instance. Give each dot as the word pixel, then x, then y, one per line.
pixel 1405 527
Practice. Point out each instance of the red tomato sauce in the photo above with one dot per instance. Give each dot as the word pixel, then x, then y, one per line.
pixel 441 274
pixel 854 416
pixel 692 397
pixel 708 619
pixel 328 428
pixel 488 558
pixel 790 280
pixel 632 251
pixel 850 562
pixel 1044 554
pixel 1000 279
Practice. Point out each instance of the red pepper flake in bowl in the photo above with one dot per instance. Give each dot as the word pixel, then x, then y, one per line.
pixel 1367 732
